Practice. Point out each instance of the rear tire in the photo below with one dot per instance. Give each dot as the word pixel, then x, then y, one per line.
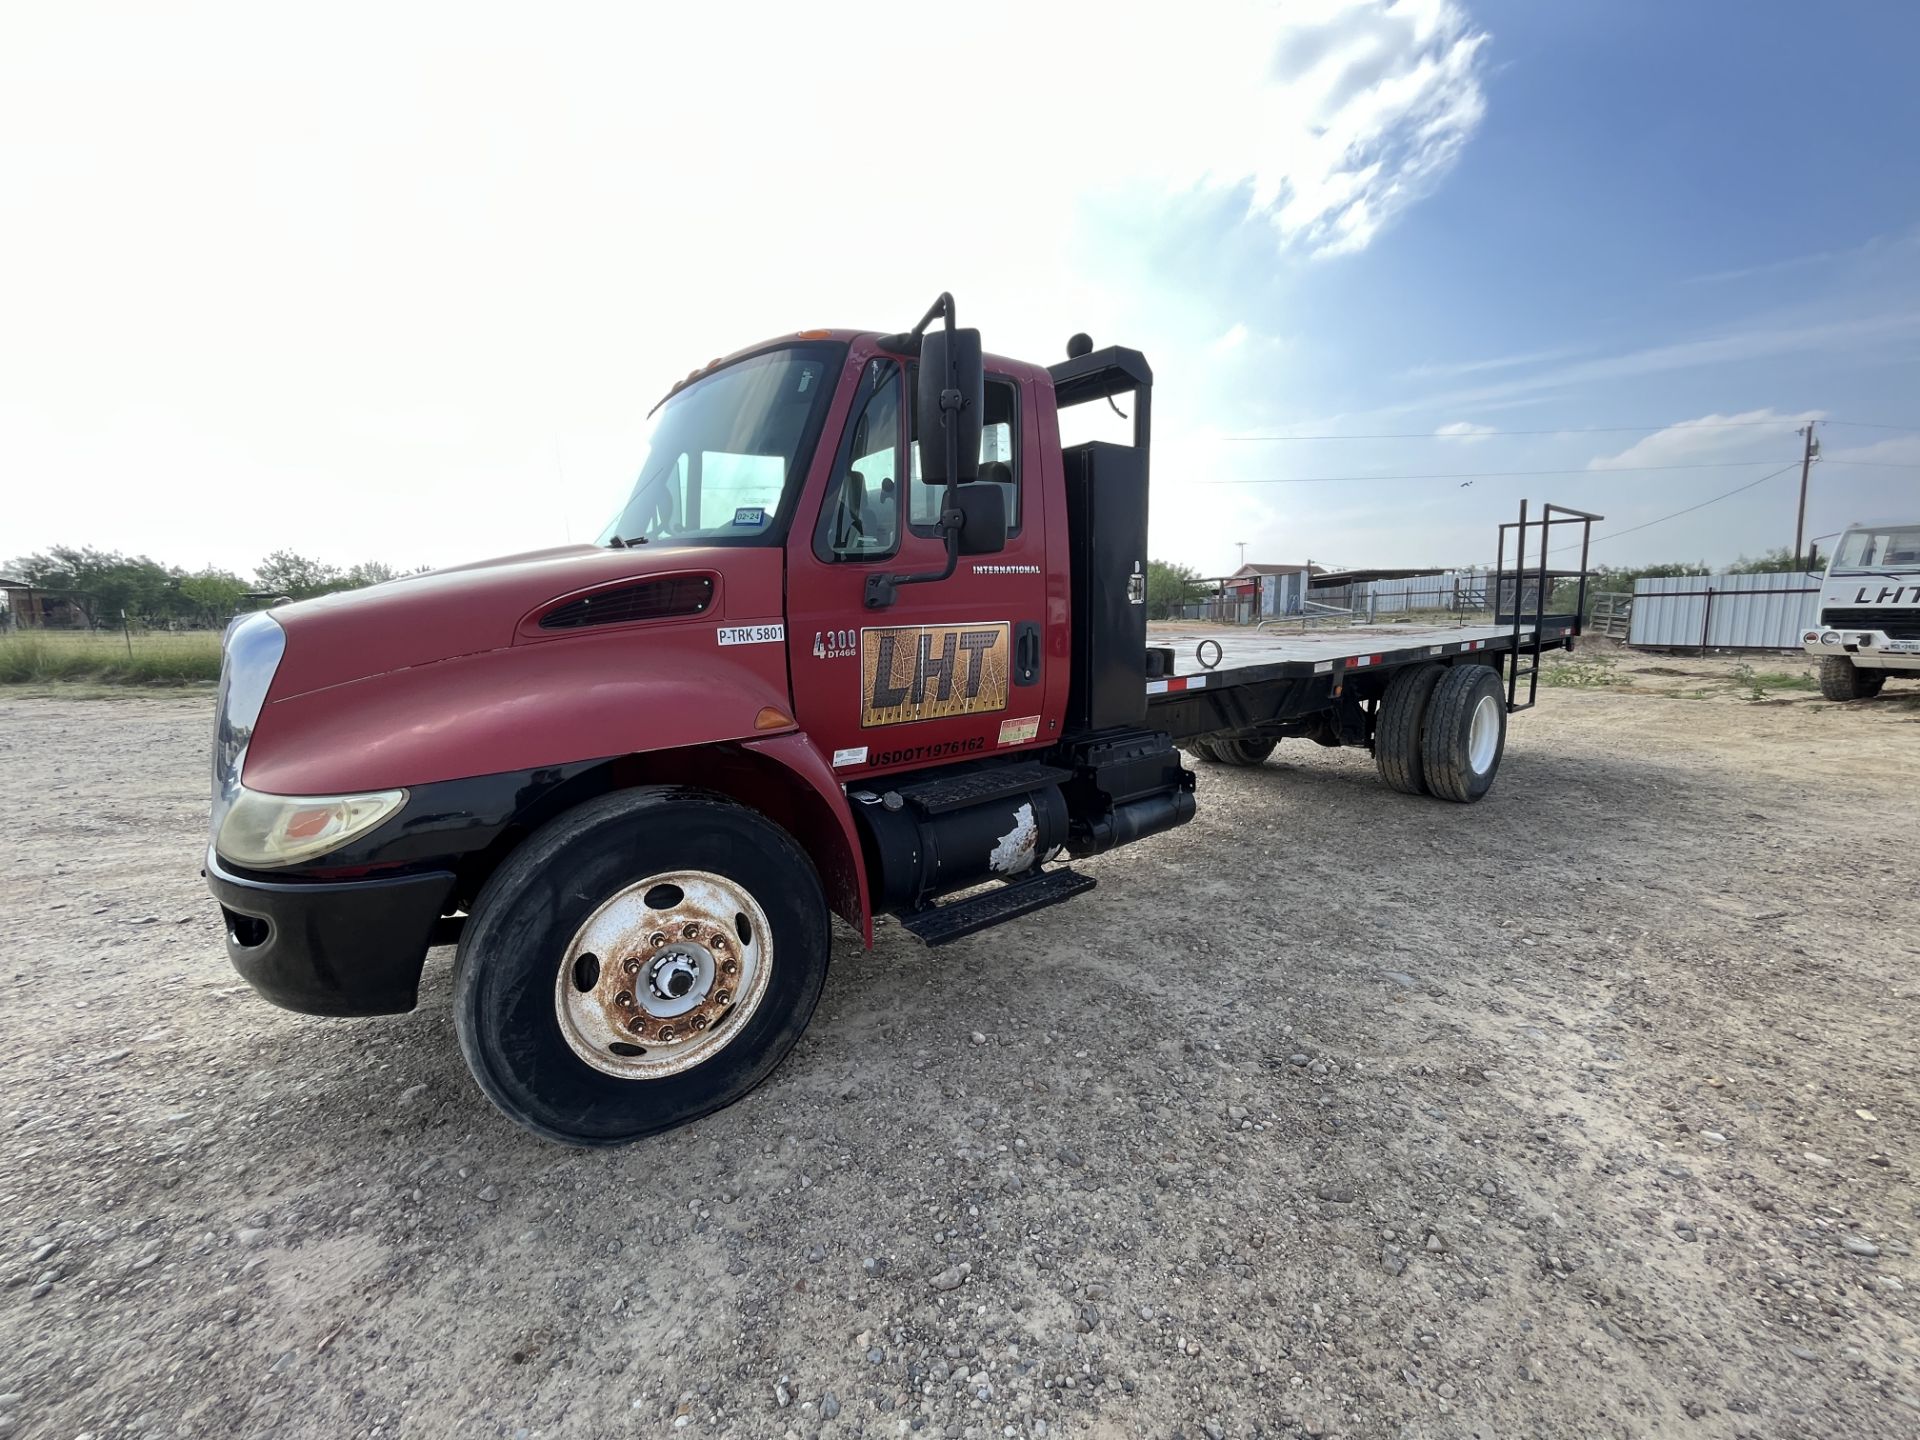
pixel 1465 733
pixel 1397 734
pixel 1841 679
pixel 630 877
pixel 1241 752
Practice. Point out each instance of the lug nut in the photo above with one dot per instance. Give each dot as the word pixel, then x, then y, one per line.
pixel 656 940
pixel 699 1022
pixel 720 944
pixel 631 965
pixel 624 999
pixel 691 929
pixel 723 997
pixel 732 967
pixel 637 1024
pixel 666 1034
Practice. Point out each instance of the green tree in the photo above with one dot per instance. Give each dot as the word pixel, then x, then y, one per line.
pixel 369 572
pixel 1169 585
pixel 286 573
pixel 1778 561
pixel 212 596
pixel 103 585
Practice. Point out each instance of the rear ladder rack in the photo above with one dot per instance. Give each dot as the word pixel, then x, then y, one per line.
pixel 1550 515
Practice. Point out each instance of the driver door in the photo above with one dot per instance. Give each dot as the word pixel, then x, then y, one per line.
pixel 953 668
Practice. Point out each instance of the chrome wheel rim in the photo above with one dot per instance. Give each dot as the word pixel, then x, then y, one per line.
pixel 663 975
pixel 1484 738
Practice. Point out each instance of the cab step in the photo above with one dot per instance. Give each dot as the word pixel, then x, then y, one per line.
pixel 937 924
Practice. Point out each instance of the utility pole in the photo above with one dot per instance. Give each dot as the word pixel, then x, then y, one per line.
pixel 1808 455
pixel 1243 553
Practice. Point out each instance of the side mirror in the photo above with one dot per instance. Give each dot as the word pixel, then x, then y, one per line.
pixel 983 518
pixel 940 352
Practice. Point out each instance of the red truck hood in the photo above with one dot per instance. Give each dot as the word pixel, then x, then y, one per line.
pixel 448 613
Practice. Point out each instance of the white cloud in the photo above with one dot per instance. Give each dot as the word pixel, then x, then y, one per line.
pixel 1708 438
pixel 1894 450
pixel 403 284
pixel 1455 368
pixel 1466 430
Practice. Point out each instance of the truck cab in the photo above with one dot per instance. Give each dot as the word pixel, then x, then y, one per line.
pixel 864 638
pixel 1869 623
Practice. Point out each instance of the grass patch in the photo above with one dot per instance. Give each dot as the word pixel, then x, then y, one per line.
pixel 1757 685
pixel 1583 672
pixel 1786 680
pixel 159 657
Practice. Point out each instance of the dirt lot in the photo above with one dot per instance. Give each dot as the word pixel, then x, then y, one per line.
pixel 1587 1111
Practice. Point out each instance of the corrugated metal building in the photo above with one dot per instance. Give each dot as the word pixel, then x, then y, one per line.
pixel 1724 612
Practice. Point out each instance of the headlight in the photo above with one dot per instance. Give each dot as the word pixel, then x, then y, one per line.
pixel 1832 637
pixel 264 832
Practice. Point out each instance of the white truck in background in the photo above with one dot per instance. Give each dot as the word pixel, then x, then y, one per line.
pixel 1869 611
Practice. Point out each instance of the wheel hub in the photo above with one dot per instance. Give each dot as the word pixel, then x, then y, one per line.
pixel 662 975
pixel 675 973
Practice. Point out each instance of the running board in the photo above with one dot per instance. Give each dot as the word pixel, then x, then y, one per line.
pixel 937 924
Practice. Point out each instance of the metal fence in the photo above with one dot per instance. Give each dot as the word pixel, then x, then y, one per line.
pixel 1453 591
pixel 1724 612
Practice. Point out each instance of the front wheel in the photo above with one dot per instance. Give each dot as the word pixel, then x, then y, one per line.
pixel 641 961
pixel 1841 679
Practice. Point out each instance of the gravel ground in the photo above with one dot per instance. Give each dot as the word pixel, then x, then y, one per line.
pixel 1586 1111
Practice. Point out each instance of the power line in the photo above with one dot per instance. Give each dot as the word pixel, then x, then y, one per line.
pixel 1616 534
pixel 1484 474
pixel 1873 464
pixel 1781 424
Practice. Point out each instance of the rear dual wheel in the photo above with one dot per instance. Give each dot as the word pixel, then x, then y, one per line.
pixel 1442 731
pixel 641 961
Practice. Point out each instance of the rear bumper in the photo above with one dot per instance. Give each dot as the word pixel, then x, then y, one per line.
pixel 351 947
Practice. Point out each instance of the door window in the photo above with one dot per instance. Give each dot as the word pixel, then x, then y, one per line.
pixel 999 461
pixel 861 517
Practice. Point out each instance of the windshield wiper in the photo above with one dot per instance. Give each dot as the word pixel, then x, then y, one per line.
pixel 615 542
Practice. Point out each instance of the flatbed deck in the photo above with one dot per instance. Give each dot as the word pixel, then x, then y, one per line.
pixel 1248 655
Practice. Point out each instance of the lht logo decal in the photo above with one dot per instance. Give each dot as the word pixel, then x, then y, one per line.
pixel 928 672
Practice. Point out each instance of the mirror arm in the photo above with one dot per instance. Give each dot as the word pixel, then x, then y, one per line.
pixel 881 589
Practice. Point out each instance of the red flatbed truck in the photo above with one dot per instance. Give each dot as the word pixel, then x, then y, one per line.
pixel 813 667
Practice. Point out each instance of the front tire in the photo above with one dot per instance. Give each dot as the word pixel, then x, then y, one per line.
pixel 641 961
pixel 1465 733
pixel 1841 679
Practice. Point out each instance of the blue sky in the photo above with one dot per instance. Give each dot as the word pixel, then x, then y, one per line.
pixel 403 285
pixel 1667 213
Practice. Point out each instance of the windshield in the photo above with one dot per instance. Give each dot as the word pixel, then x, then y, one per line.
pixel 1878 547
pixel 717 456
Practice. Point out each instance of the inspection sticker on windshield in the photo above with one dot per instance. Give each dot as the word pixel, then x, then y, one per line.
pixel 752 634
pixel 750 515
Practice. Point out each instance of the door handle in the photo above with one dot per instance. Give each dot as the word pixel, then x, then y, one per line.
pixel 1026 653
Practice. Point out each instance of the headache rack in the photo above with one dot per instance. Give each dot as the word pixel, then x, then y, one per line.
pixel 1525 595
